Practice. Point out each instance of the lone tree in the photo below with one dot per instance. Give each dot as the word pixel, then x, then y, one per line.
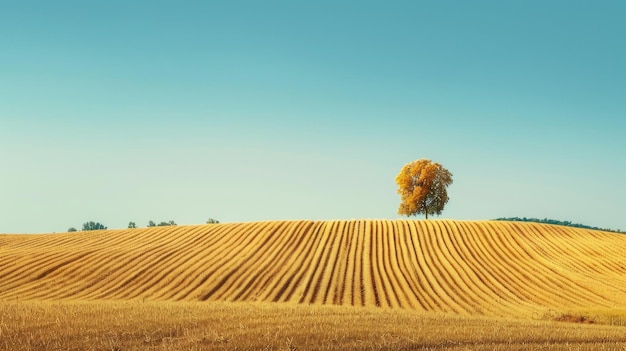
pixel 422 187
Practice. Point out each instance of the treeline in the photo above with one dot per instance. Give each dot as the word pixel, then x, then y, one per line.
pixel 91 225
pixel 556 222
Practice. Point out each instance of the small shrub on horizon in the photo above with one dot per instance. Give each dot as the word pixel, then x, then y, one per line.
pixel 91 225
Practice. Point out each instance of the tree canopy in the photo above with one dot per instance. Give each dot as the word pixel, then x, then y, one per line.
pixel 162 224
pixel 422 185
pixel 91 225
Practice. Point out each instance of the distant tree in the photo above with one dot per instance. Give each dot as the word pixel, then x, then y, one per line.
pixel 422 186
pixel 91 225
pixel 151 224
pixel 71 229
pixel 212 221
pixel 556 222
pixel 132 225
pixel 166 224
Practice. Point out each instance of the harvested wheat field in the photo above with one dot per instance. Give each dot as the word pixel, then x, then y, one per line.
pixel 434 284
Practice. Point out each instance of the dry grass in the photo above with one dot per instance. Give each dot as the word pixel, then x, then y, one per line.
pixel 128 325
pixel 315 285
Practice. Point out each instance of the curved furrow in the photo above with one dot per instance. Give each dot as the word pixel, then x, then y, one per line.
pixel 90 277
pixel 355 291
pixel 371 281
pixel 257 260
pixel 498 261
pixel 378 283
pixel 288 267
pixel 559 284
pixel 39 269
pixel 611 257
pixel 35 241
pixel 479 293
pixel 319 278
pixel 342 282
pixel 549 250
pixel 178 258
pixel 512 274
pixel 21 265
pixel 129 269
pixel 462 277
pixel 396 287
pixel 215 260
pixel 215 249
pixel 328 276
pixel 129 275
pixel 360 272
pixel 442 274
pixel 331 292
pixel 305 293
pixel 419 298
pixel 487 293
pixel 426 265
pixel 261 268
pixel 432 269
pixel 569 275
pixel 496 288
pixel 293 288
pixel 393 275
pixel 424 286
pixel 546 289
pixel 38 284
pixel 377 268
pixel 456 271
pixel 267 273
pixel 557 287
pixel 591 260
pixel 10 267
pixel 227 270
pixel 487 267
pixel 397 268
pixel 184 264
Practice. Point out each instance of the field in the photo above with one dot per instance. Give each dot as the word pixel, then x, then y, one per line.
pixel 362 284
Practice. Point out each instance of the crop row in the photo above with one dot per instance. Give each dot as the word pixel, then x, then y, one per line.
pixel 493 268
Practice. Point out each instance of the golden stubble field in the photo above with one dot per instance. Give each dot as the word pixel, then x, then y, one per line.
pixel 358 284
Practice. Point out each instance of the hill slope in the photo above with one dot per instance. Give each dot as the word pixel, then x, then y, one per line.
pixel 490 268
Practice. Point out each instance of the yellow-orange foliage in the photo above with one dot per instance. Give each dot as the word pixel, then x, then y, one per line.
pixel 422 186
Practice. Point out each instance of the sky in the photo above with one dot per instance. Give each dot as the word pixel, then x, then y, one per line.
pixel 118 111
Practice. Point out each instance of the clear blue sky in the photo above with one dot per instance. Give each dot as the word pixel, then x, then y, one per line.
pixel 118 111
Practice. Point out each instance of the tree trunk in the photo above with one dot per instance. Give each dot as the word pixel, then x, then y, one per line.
pixel 426 215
